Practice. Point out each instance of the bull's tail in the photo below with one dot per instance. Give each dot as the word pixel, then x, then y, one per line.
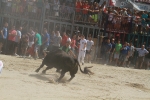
pixel 79 65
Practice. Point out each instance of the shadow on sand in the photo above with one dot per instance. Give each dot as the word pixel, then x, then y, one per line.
pixel 51 78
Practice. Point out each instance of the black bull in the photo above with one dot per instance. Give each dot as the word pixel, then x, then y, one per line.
pixel 61 61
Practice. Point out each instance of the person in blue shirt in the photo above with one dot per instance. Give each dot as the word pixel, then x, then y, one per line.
pixel 3 38
pixel 107 48
pixel 45 41
pixel 124 54
pixel 112 50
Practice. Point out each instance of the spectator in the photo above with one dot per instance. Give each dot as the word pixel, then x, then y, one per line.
pixel 64 39
pixel 45 41
pixel 107 48
pixel 24 44
pixel 11 40
pixel 31 35
pixel 131 53
pixel 89 48
pixel 56 7
pixel 30 7
pixel 52 35
pixel 17 40
pixel 8 7
pixel 73 43
pixel 34 11
pixel 3 38
pixel 57 40
pixel 37 43
pixel 118 47
pixel 124 54
pixel 63 11
pixel 78 10
pixel 47 7
pixel 67 49
pixel 147 60
pixel 96 10
pixel 144 17
pixel 3 5
pixel 39 4
pixel 85 11
pixel 141 54
pixel 91 13
pixel 70 10
pixel 112 50
pixel 82 49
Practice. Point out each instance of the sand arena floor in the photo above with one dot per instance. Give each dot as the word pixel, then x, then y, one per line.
pixel 18 81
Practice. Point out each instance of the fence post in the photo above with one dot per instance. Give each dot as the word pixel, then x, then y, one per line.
pixel 72 21
pixel 42 20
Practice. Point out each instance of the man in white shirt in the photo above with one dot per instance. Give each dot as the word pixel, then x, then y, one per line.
pixel 82 49
pixel 89 47
pixel 141 55
pixel 17 40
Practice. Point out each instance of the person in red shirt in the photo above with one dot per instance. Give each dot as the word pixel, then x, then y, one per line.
pixel 64 39
pixel 11 40
pixel 85 11
pixel 78 10
pixel 73 43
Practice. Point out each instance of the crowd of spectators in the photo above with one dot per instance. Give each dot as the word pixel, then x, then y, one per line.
pixel 125 54
pixel 113 19
pixel 17 41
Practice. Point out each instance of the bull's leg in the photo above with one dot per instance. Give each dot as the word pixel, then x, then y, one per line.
pixel 44 71
pixel 61 76
pixel 37 70
pixel 72 76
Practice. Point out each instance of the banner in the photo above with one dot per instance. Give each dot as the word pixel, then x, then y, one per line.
pixel 141 5
pixel 102 1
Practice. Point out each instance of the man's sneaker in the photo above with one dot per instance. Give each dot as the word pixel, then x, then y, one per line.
pixel 24 56
pixel 15 54
pixel 90 62
pixel 127 66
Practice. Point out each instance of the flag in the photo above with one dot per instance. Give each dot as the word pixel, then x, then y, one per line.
pixel 112 2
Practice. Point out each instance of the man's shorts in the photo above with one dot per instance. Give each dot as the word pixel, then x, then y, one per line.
pixel 16 44
pixel 88 52
pixel 30 44
pixel 44 48
pixel 130 58
pixel 1 40
pixel 36 47
pixel 24 45
pixel 116 55
pixel 122 57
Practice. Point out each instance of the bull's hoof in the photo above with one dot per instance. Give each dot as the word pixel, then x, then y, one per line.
pixel 37 70
pixel 57 81
pixel 67 81
pixel 43 72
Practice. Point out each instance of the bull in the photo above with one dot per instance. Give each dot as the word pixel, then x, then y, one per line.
pixel 61 61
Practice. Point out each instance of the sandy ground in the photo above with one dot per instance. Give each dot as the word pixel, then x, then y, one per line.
pixel 18 81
